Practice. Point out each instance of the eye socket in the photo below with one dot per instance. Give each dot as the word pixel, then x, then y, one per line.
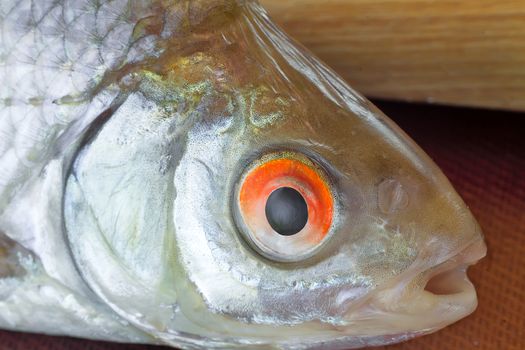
pixel 284 206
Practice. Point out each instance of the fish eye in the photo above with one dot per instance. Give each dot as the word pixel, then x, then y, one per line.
pixel 284 206
pixel 286 211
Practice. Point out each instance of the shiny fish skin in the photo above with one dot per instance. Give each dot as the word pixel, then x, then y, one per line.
pixel 125 127
pixel 53 56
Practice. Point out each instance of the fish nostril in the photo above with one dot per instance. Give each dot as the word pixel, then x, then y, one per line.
pixel 391 196
pixel 448 282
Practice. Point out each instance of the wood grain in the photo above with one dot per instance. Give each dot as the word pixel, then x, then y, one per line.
pixel 460 52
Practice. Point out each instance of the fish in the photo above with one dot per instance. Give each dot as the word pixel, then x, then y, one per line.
pixel 184 173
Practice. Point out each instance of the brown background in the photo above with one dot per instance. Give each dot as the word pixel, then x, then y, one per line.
pixel 483 154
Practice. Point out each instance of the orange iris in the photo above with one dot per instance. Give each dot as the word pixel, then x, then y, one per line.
pixel 297 172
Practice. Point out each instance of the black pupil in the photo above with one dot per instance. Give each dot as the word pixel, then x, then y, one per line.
pixel 286 211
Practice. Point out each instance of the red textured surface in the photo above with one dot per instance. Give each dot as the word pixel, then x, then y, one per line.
pixel 483 154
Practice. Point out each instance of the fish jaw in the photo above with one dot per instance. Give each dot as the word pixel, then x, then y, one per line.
pixel 422 302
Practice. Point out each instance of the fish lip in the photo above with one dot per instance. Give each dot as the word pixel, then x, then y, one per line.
pixel 449 283
pixel 428 309
pixel 449 287
pixel 460 262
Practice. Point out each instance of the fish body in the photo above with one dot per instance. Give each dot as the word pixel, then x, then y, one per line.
pixel 140 145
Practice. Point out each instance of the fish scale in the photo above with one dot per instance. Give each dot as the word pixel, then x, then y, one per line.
pixel 54 51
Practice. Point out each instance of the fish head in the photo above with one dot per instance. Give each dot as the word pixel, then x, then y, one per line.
pixel 236 192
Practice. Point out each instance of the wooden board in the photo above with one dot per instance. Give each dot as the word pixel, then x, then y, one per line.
pixel 461 52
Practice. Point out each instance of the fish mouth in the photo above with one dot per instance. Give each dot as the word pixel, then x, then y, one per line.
pixel 450 278
pixel 423 302
pixel 445 293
